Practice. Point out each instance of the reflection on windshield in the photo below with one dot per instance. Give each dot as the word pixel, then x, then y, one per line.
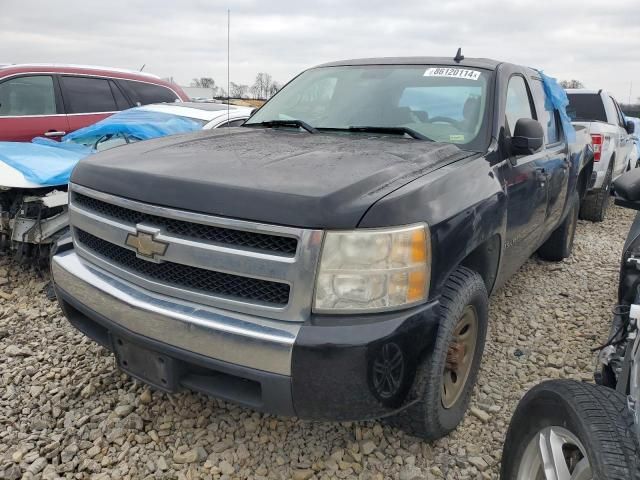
pixel 445 104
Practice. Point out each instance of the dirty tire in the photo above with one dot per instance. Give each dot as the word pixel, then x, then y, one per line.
pixel 597 416
pixel 559 245
pixel 427 417
pixel 595 204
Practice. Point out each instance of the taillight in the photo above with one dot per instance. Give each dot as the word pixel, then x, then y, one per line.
pixel 596 142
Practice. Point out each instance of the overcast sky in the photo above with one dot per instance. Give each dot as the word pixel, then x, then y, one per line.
pixel 594 41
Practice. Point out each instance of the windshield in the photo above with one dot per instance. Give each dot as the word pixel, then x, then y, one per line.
pixel 444 104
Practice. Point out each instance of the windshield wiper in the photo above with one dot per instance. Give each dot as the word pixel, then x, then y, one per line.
pixel 285 123
pixel 392 131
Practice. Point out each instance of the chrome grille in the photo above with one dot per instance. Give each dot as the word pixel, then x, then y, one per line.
pixel 238 265
pixel 184 276
pixel 197 231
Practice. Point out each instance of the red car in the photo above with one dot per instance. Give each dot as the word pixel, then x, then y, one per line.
pixel 53 100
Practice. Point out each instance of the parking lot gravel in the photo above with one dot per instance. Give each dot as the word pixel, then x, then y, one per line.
pixel 66 411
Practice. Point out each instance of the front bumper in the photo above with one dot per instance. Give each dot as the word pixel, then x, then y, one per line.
pixel 320 369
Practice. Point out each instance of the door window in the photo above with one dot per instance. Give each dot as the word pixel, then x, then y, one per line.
pixel 28 96
pixel 549 117
pixel 618 113
pixel 146 93
pixel 518 102
pixel 88 95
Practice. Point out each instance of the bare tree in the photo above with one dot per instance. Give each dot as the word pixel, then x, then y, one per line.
pixel 273 89
pixel 255 91
pixel 262 85
pixel 237 90
pixel 571 84
pixel 204 82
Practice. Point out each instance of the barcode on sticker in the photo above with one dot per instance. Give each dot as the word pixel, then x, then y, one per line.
pixel 452 73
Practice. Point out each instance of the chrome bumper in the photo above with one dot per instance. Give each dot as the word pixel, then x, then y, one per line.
pixel 239 339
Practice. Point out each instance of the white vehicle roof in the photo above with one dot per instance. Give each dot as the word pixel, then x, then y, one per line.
pixel 587 91
pixel 201 111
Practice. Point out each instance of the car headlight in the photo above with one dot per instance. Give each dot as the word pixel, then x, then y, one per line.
pixel 373 269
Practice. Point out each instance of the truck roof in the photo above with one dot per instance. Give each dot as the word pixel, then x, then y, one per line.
pixel 586 91
pixel 485 63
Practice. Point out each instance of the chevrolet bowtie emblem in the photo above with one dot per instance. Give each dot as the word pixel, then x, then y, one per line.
pixel 145 244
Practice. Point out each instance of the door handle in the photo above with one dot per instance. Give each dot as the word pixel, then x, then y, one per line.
pixel 54 133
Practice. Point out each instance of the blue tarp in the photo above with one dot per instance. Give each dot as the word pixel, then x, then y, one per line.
pixel 137 122
pixel 556 97
pixel 49 163
pixel 41 164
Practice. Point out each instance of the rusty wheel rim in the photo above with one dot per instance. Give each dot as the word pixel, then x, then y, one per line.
pixel 460 357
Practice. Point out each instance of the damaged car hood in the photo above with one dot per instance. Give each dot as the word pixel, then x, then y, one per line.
pixel 271 176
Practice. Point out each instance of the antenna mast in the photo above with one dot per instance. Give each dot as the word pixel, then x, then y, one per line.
pixel 228 63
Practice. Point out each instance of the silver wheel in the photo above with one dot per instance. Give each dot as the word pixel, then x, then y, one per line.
pixel 555 453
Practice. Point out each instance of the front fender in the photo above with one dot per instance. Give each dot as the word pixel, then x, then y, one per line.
pixel 464 206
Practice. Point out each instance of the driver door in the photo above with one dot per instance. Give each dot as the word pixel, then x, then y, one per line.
pixel 525 182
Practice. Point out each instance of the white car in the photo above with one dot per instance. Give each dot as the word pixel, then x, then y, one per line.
pixel 34 176
pixel 612 141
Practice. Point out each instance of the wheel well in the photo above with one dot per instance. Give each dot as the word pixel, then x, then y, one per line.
pixel 583 179
pixel 484 260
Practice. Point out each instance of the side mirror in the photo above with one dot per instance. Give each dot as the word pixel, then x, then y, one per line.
pixel 630 127
pixel 528 137
pixel 627 189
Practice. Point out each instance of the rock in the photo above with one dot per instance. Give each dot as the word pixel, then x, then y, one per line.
pixel 13 472
pixel 222 446
pixel 37 466
pixel 226 468
pixel 145 397
pixel 367 447
pixel 16 351
pixel 479 463
pixel 123 410
pixel 161 463
pixel 481 414
pixel 410 472
pixel 68 453
pixel 302 474
pixel 195 455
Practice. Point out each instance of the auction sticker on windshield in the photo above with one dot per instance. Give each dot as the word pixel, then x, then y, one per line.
pixel 452 73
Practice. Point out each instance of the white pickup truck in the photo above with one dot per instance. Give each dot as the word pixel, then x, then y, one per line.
pixel 612 141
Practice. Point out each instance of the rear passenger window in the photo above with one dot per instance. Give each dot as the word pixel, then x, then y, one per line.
pixel 518 102
pixel 27 96
pixel 145 93
pixel 88 95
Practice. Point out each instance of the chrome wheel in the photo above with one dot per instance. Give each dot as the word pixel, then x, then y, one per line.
pixel 555 453
pixel 460 356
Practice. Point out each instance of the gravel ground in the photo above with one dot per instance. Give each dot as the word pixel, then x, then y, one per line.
pixel 66 411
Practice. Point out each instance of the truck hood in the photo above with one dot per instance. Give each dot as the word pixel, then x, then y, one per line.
pixel 270 176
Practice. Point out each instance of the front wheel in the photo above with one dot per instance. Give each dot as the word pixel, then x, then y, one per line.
pixel 446 376
pixel 567 430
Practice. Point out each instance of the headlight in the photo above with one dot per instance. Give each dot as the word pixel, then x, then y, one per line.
pixel 373 269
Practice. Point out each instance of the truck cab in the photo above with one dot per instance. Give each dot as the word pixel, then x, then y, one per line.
pixel 333 257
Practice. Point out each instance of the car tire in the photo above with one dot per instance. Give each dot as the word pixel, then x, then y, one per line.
pixel 579 424
pixel 560 244
pixel 595 204
pixel 434 413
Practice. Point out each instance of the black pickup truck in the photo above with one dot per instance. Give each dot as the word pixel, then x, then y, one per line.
pixel 333 257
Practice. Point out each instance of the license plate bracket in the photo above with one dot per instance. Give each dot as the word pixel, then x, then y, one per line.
pixel 148 366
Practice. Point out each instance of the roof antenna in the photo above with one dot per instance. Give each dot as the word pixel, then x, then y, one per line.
pixel 459 57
